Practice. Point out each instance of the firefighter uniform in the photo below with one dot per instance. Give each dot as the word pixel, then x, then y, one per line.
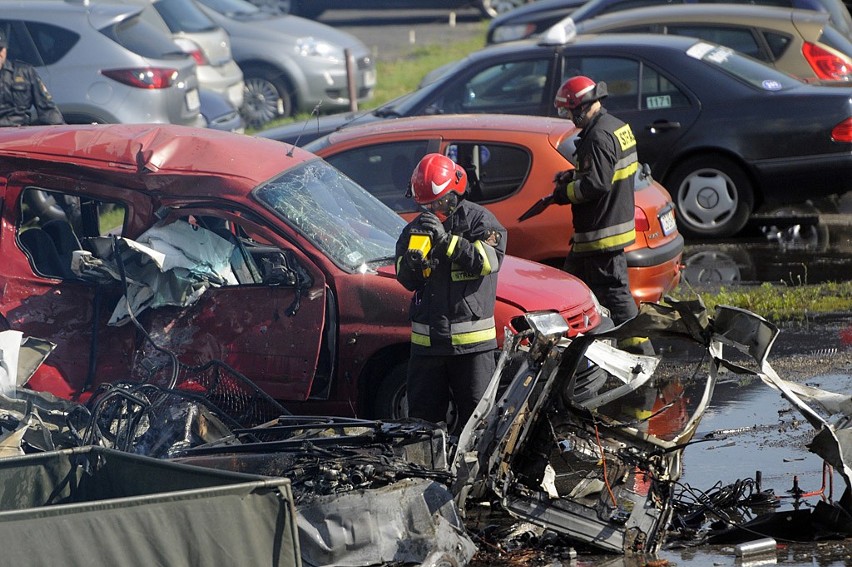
pixel 601 198
pixel 20 90
pixel 453 334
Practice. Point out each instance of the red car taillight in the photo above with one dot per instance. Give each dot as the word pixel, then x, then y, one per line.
pixel 143 78
pixel 641 220
pixel 843 131
pixel 825 64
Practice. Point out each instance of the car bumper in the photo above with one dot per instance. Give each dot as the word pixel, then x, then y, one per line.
pixel 654 272
pixel 330 86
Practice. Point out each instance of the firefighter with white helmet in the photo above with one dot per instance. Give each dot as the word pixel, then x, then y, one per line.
pixel 449 256
pixel 600 192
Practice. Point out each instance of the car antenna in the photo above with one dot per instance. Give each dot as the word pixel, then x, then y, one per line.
pixel 314 112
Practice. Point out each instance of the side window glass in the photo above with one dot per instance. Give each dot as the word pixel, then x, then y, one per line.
pixel 778 43
pixel 383 169
pixel 740 39
pixel 52 42
pixel 507 88
pixel 620 74
pixel 659 92
pixel 20 47
pixel 57 228
pixel 494 171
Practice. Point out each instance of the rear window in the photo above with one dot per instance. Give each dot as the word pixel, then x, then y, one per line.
pixel 142 38
pixel 743 68
pixel 740 38
pixel 184 16
pixel 52 42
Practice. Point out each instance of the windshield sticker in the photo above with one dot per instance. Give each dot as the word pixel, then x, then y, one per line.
pixel 719 55
pixel 771 85
pixel 699 50
pixel 662 101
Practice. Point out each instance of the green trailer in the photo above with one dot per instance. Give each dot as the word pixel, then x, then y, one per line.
pixel 93 506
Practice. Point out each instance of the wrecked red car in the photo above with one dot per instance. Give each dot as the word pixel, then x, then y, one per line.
pixel 127 245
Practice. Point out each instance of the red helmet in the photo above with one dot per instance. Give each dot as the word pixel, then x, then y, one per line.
pixel 435 176
pixel 578 91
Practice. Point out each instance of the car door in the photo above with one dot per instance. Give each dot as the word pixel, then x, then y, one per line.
pixel 267 320
pixel 44 220
pixel 657 108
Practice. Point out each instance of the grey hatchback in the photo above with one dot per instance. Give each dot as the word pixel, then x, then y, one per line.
pixel 103 63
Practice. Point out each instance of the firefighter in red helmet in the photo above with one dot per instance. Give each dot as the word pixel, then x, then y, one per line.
pixel 449 256
pixel 600 192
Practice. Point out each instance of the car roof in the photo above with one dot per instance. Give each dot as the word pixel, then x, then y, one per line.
pixel 542 125
pixel 709 13
pixel 141 154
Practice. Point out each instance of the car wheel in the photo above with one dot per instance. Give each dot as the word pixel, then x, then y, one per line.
pixel 391 399
pixel 493 8
pixel 268 96
pixel 713 196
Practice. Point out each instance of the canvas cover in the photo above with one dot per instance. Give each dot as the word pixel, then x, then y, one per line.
pixel 96 506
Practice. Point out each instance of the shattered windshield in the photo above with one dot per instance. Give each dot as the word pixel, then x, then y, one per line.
pixel 337 215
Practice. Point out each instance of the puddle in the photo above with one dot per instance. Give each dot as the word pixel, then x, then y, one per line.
pixel 789 252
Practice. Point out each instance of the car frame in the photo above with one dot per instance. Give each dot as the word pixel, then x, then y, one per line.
pixel 802 43
pixel 510 162
pixel 315 8
pixel 290 64
pixel 307 305
pixel 536 18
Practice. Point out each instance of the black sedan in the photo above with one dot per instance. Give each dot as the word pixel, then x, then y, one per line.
pixel 724 133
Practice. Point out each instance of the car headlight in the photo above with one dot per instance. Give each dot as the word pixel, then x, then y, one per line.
pixel 310 47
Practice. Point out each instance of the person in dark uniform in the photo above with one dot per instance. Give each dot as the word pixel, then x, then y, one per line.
pixel 449 256
pixel 22 90
pixel 600 192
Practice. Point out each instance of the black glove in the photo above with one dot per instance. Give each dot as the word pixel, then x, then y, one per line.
pixel 428 221
pixel 560 194
pixel 564 177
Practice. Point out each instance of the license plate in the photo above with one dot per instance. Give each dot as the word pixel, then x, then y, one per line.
pixel 369 78
pixel 667 221
pixel 193 102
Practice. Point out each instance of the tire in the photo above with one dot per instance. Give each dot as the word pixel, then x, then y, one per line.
pixel 390 400
pixel 268 97
pixel 493 8
pixel 713 196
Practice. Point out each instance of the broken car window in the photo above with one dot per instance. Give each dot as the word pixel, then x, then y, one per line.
pixel 353 228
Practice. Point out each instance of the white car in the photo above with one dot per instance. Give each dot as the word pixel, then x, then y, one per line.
pixel 291 64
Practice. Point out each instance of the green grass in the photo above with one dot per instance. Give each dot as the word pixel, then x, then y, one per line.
pixel 778 302
pixel 395 78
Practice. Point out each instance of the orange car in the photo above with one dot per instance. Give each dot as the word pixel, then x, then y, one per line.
pixel 511 161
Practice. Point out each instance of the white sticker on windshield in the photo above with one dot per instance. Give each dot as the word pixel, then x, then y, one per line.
pixel 662 101
pixel 771 85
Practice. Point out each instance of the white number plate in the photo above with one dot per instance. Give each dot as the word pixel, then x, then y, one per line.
pixel 667 221
pixel 193 102
pixel 369 78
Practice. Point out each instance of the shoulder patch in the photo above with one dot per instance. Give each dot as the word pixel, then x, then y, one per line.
pixel 625 137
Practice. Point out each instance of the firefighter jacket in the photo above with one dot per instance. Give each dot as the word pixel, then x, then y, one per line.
pixel 452 310
pixel 20 90
pixel 601 194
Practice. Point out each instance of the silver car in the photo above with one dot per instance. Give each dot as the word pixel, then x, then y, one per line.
pixel 103 63
pixel 206 41
pixel 291 64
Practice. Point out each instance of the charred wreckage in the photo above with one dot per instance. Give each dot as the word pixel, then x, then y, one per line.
pixel 573 435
